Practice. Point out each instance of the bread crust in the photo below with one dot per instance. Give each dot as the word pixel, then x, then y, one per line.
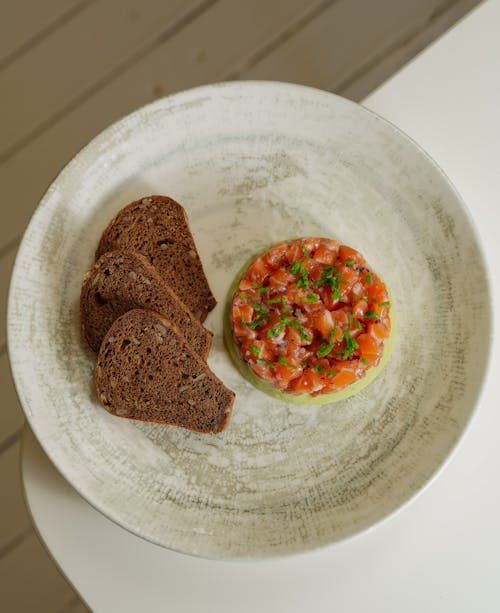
pixel 146 371
pixel 123 280
pixel 157 227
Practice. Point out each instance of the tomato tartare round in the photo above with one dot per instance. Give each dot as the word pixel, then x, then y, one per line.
pixel 310 317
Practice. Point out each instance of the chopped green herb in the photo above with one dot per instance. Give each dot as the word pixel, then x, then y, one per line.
pixel 286 308
pixel 283 361
pixel 328 371
pixel 259 308
pixel 386 303
pixel 359 326
pixel 369 278
pixel 263 290
pixel 303 335
pixel 311 298
pixel 304 364
pixel 244 296
pixel 350 345
pixel 323 350
pixel 331 277
pixel 365 361
pixel 365 298
pixel 305 252
pixel 274 331
pixel 371 315
pixel 274 300
pixel 297 269
pixel 331 333
pixel 286 320
pixel 349 262
pixel 258 322
pixel 254 349
pixel 267 362
pixel 351 315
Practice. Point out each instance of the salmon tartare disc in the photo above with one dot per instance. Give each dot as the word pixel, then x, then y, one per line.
pixel 310 317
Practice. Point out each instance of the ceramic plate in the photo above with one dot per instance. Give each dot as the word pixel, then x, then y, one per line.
pixel 254 163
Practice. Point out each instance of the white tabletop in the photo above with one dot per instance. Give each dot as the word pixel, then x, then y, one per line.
pixel 440 553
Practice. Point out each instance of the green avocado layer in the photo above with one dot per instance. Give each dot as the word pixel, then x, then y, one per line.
pixel 269 389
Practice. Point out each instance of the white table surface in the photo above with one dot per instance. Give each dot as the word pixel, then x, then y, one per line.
pixel 441 552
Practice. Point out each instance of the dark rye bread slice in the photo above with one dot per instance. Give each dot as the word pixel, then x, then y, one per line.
pixel 157 227
pixel 145 370
pixel 124 280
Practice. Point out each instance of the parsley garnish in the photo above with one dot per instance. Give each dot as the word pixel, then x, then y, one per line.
pixel 365 298
pixel 311 298
pixel 305 251
pixel 263 290
pixel 244 296
pixel 254 349
pixel 386 303
pixel 371 315
pixel 365 361
pixel 369 278
pixel 283 361
pixel 324 349
pixel 331 333
pixel 349 262
pixel 274 300
pixel 358 325
pixel 350 345
pixel 295 267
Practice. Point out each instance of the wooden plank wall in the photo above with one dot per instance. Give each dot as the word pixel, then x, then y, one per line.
pixel 70 67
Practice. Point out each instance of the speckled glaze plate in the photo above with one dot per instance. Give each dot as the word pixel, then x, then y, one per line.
pixel 254 163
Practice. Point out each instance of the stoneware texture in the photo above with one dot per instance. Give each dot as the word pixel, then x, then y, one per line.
pixel 254 163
